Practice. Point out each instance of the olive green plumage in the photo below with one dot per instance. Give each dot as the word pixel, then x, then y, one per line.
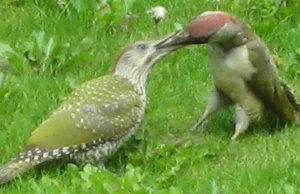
pixel 96 119
pixel 105 109
pixel 242 68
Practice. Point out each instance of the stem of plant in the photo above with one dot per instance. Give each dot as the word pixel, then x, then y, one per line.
pixel 155 33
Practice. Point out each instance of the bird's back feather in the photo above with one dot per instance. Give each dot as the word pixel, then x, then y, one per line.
pixel 266 82
pixel 105 108
pixel 100 111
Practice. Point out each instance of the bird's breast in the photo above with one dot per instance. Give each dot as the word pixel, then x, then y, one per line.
pixel 226 65
pixel 230 69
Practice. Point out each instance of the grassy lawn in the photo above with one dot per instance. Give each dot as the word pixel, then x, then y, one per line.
pixel 53 49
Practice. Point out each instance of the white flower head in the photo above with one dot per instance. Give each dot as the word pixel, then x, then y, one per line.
pixel 60 3
pixel 158 13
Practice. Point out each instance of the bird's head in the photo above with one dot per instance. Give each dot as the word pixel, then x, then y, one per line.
pixel 211 27
pixel 136 59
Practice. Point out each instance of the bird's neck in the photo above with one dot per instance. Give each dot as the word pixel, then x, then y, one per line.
pixel 138 80
pixel 139 83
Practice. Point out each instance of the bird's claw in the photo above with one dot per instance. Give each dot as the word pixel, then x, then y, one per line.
pixel 234 136
pixel 196 126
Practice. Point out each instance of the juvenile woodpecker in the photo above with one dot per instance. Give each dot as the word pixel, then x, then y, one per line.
pixel 97 118
pixel 242 69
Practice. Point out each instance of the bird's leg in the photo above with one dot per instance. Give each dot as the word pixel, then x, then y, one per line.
pixel 101 166
pixel 241 122
pixel 217 100
pixel 297 120
pixel 249 109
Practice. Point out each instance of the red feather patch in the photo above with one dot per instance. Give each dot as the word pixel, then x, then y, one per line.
pixel 203 24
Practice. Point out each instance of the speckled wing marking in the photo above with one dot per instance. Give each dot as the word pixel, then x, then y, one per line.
pixel 105 108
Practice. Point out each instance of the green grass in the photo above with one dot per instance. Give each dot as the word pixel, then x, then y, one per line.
pixel 67 47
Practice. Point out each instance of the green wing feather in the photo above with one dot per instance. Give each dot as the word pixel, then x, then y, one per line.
pixel 266 83
pixel 105 108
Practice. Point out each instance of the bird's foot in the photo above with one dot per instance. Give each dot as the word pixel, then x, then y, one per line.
pixel 297 121
pixel 238 132
pixel 235 135
pixel 101 166
pixel 195 127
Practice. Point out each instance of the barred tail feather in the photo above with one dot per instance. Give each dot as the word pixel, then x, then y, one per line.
pixel 23 162
pixel 34 155
pixel 11 170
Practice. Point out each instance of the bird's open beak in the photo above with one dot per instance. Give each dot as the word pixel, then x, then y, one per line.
pixel 179 39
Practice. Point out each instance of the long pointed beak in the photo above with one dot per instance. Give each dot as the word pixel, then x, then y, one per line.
pixel 176 39
pixel 162 47
pixel 180 39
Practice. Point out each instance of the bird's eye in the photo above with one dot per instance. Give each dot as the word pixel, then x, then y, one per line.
pixel 142 46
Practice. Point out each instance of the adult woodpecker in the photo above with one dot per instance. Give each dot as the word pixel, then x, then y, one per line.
pixel 242 70
pixel 98 117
